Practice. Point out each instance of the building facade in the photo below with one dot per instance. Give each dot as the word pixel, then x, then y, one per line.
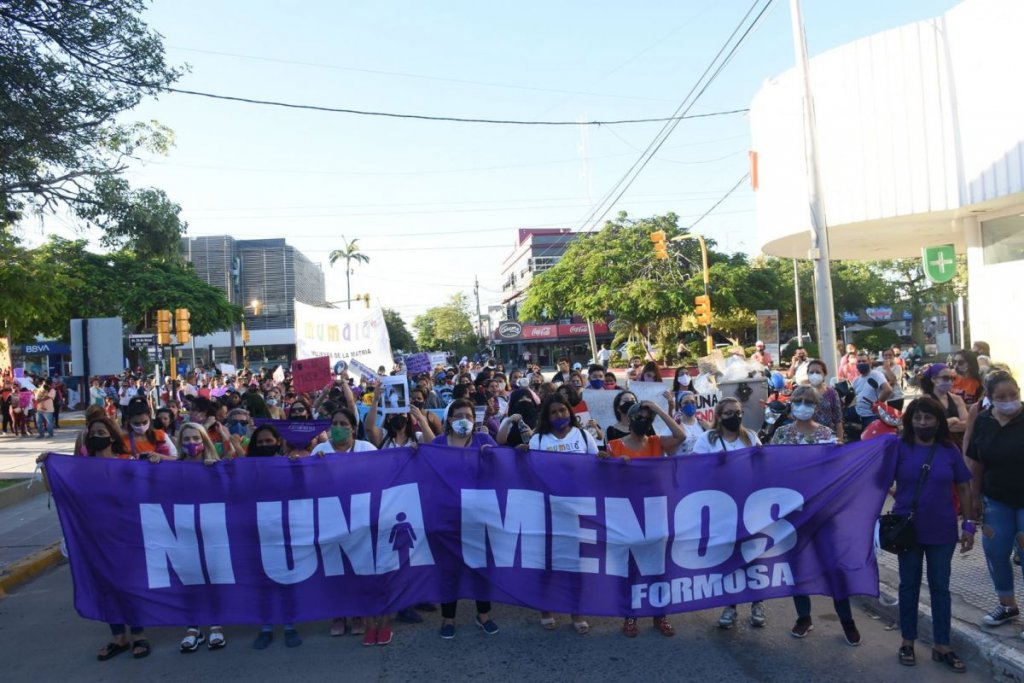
pixel 920 143
pixel 517 341
pixel 265 277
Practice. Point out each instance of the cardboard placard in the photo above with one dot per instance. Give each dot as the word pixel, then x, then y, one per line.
pixel 395 391
pixel 311 374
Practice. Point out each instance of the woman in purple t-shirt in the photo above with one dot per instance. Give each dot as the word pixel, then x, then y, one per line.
pixel 459 432
pixel 926 434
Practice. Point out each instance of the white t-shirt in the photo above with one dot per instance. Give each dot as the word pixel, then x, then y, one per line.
pixel 704 445
pixel 693 432
pixel 357 447
pixel 576 441
pixel 866 388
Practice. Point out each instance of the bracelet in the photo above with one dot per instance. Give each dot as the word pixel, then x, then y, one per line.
pixel 968 527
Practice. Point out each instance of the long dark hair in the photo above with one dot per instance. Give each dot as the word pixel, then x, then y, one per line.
pixel 136 408
pixel 681 370
pixel 391 431
pixel 650 366
pixel 544 419
pixel 265 428
pixel 522 402
pixel 928 405
pixel 116 435
pixel 617 403
pixel 973 370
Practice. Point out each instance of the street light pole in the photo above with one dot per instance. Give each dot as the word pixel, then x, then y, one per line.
pixel 824 308
pixel 709 341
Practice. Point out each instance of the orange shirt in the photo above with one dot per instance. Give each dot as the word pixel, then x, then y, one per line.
pixel 652 448
pixel 967 388
pixel 144 445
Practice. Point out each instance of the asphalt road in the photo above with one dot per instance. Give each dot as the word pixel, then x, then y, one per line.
pixel 42 639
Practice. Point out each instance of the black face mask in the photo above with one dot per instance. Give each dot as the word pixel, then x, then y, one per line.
pixel 640 425
pixel 925 434
pixel 625 406
pixel 263 451
pixel 732 423
pixel 528 411
pixel 398 423
pixel 95 444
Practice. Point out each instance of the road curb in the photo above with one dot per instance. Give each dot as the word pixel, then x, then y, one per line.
pixel 29 567
pixel 969 641
pixel 20 492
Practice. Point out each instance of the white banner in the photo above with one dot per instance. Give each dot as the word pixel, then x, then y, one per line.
pixel 342 334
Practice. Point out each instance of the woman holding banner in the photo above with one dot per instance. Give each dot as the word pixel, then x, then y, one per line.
pixel 830 405
pixel 729 434
pixel 341 438
pixel 805 431
pixel 686 417
pixel 399 430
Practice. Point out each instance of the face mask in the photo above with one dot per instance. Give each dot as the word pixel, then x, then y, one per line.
pixel 640 425
pixel 625 406
pixel 1007 407
pixel 560 424
pixel 193 449
pixel 140 429
pixel 689 409
pixel 271 402
pixel 237 428
pixel 597 384
pixel 925 434
pixel 263 451
pixel 732 423
pixel 577 385
pixel 815 378
pixel 398 423
pixel 419 404
pixel 863 368
pixel 802 412
pixel 944 385
pixel 95 444
pixel 684 380
pixel 340 434
pixel 462 426
pixel 961 371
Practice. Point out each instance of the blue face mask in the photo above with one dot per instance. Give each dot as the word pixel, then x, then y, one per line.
pixel 689 409
pixel 597 384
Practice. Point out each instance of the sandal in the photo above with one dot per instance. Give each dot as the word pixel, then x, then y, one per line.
pixel 664 627
pixel 582 627
pixel 112 649
pixel 217 641
pixel 951 660
pixel 907 657
pixel 629 628
pixel 140 648
pixel 192 640
pixel 548 623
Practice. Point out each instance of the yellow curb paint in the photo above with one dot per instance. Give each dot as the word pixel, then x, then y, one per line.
pixel 28 568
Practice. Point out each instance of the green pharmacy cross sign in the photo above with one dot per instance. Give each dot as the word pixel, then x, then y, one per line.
pixel 939 262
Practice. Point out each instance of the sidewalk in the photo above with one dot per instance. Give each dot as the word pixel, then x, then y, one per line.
pixel 18 453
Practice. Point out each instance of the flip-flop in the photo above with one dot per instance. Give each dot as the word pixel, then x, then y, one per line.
pixel 142 645
pixel 112 649
pixel 548 623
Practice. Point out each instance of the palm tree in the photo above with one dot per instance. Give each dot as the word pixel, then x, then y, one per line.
pixel 350 253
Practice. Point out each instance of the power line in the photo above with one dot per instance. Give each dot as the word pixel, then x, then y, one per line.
pixel 719 202
pixel 426 117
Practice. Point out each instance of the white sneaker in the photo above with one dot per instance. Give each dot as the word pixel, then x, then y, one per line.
pixel 728 618
pixel 757 615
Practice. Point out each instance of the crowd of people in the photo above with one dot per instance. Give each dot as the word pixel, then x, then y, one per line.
pixel 965 409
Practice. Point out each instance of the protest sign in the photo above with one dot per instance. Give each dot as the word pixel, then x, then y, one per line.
pixel 297 433
pixel 311 374
pixel 599 402
pixel 438 358
pixel 270 540
pixel 395 390
pixel 367 373
pixel 342 334
pixel 416 363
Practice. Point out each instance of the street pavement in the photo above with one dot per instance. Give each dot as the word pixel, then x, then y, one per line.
pixel 18 453
pixel 43 640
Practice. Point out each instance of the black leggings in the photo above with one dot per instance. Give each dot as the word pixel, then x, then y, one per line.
pixel 448 608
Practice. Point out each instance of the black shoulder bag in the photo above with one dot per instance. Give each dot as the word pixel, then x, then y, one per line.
pixel 896 533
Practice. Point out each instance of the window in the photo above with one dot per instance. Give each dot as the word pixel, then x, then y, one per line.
pixel 1002 239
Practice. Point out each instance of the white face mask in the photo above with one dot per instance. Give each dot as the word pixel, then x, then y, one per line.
pixel 462 427
pixel 802 412
pixel 140 429
pixel 684 380
pixel 1007 407
pixel 815 378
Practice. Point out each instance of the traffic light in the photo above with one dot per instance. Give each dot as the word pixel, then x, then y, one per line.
pixel 703 309
pixel 245 334
pixel 660 248
pixel 163 327
pixel 182 325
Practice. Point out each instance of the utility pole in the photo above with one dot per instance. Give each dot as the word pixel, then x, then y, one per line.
pixel 479 318
pixel 799 316
pixel 824 307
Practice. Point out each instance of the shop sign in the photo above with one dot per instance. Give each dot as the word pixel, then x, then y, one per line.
pixel 509 329
pixel 540 331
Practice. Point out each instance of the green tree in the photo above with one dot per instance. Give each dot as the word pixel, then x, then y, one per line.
pixel 350 252
pixel 910 287
pixel 400 336
pixel 144 221
pixel 70 70
pixel 447 327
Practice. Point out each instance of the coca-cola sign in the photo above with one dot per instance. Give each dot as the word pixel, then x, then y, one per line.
pixel 540 331
pixel 509 329
pixel 580 329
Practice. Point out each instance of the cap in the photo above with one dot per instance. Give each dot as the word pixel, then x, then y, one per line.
pixel 635 409
pixel 577 366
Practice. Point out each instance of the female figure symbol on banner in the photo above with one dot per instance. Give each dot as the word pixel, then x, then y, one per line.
pixel 402 538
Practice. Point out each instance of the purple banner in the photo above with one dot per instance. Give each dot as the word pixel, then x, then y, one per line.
pixel 298 433
pixel 269 540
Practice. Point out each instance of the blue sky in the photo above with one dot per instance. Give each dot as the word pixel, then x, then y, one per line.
pixel 435 204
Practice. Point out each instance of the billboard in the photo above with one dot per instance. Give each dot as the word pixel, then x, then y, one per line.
pixel 103 338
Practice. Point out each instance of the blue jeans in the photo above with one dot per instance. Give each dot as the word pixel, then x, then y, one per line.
pixel 940 561
pixel 803 607
pixel 44 418
pixel 1004 523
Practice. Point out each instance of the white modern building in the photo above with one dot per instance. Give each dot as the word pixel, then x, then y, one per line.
pixel 920 143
